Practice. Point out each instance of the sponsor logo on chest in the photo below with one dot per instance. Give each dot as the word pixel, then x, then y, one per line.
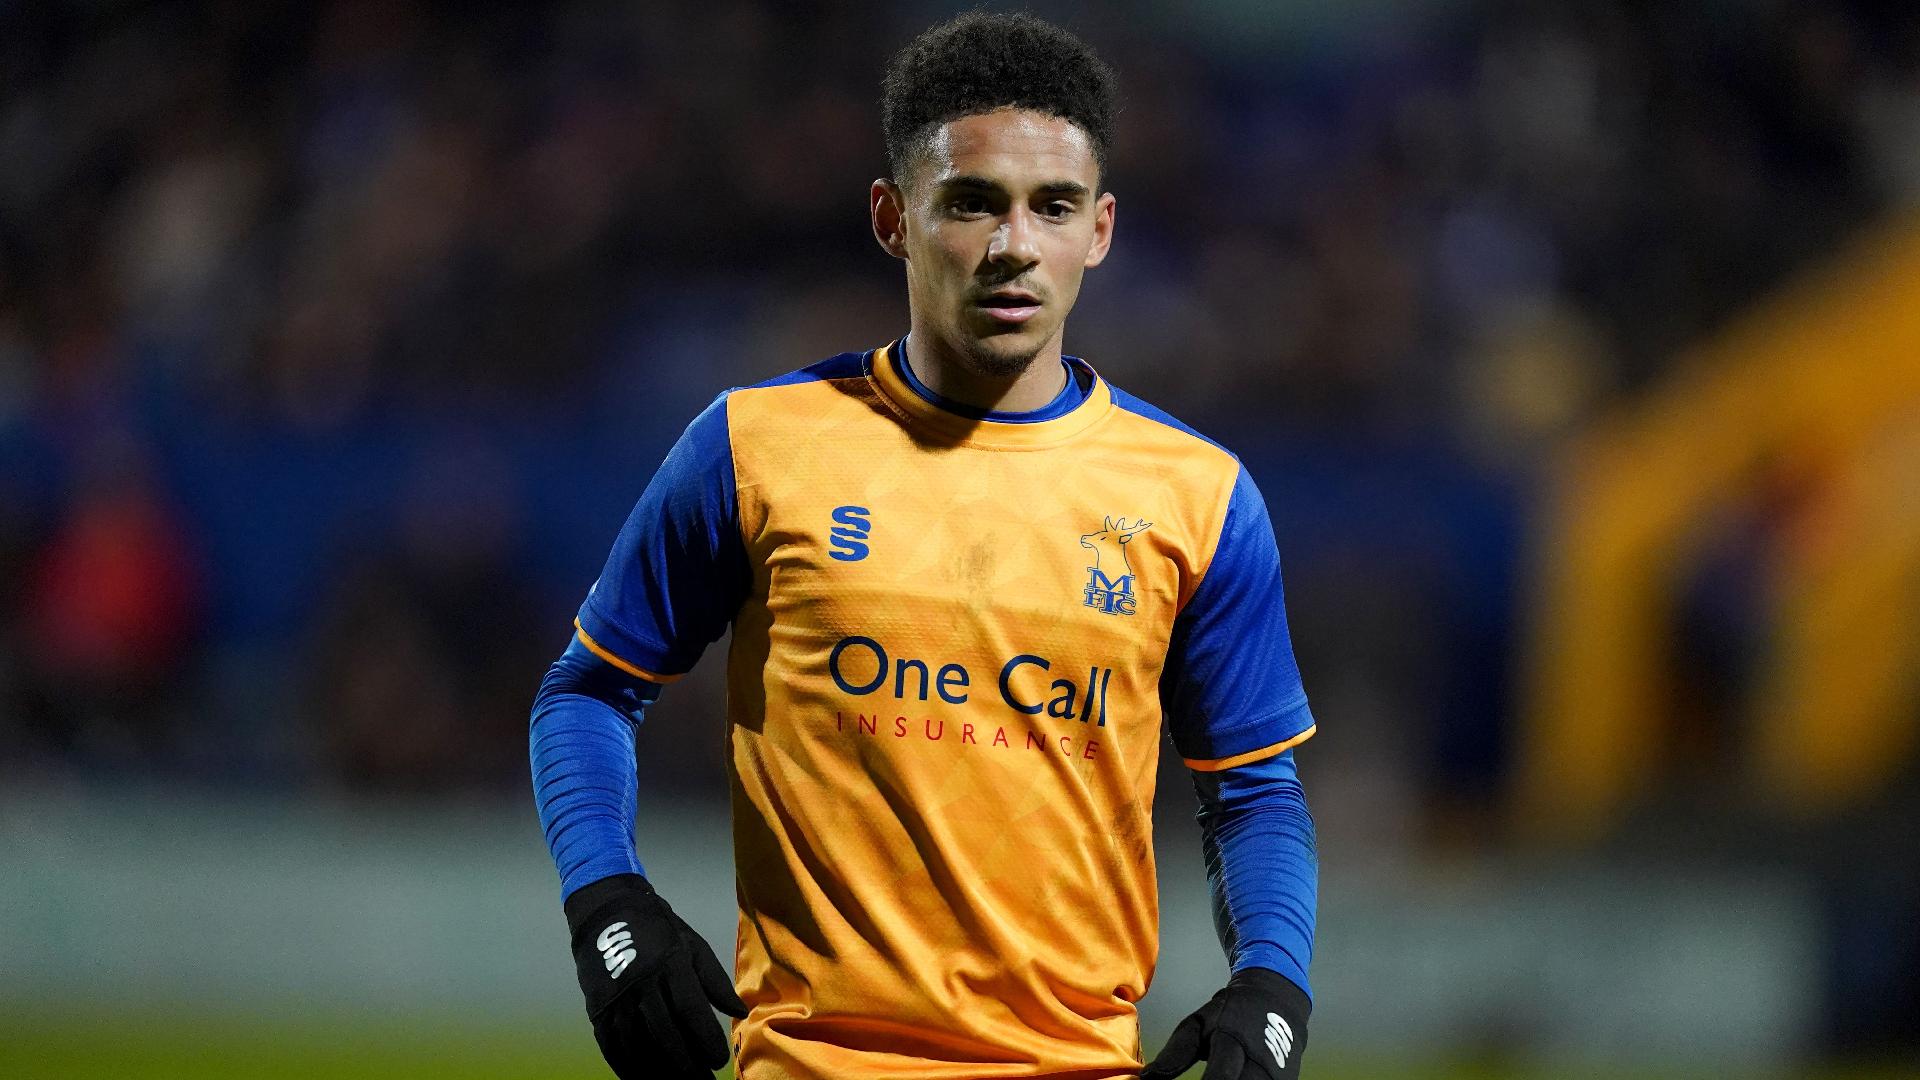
pixel 1028 686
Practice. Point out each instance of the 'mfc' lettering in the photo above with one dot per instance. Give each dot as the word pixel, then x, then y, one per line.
pixel 1114 597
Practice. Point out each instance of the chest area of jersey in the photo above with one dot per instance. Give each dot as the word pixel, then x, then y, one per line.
pixel 957 559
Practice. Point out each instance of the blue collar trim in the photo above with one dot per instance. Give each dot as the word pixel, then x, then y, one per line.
pixel 1079 387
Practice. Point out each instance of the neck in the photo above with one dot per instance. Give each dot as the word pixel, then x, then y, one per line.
pixel 942 370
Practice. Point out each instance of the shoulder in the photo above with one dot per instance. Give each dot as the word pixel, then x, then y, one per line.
pixel 1146 410
pixel 772 416
pixel 847 365
pixel 808 392
pixel 1157 435
pixel 1199 464
pixel 710 428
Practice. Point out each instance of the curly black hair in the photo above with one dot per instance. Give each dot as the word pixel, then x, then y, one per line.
pixel 979 62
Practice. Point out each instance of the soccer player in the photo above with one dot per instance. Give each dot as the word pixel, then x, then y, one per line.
pixel 969 581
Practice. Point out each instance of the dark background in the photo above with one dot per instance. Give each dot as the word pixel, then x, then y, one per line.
pixel 336 341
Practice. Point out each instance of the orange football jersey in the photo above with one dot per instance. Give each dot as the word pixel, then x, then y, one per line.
pixel 955 637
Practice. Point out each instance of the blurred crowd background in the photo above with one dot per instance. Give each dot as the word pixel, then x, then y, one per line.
pixel 337 339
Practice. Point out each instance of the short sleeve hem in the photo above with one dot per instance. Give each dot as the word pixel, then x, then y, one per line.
pixel 606 640
pixel 1251 756
pixel 1263 737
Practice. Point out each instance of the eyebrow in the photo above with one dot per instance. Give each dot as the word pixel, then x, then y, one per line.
pixel 1052 187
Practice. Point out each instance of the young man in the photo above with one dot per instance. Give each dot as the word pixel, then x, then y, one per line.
pixel 967 579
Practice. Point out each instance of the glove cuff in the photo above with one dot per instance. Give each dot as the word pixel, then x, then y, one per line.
pixel 1271 986
pixel 585 904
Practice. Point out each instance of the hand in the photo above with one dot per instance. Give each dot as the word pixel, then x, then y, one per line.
pixel 651 983
pixel 1254 1029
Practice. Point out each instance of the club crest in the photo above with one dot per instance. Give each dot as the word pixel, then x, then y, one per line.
pixel 1110 574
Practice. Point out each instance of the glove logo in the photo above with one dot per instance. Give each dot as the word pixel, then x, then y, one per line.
pixel 1279 1039
pixel 612 943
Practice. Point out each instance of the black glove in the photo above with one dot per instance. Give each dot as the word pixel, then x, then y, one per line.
pixel 1254 1029
pixel 651 983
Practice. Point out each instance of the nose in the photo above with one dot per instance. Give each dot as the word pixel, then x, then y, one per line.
pixel 1016 243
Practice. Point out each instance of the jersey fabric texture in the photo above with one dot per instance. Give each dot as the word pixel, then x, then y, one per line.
pixel 955 638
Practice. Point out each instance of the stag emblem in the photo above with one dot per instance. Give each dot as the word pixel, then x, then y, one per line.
pixel 1110 576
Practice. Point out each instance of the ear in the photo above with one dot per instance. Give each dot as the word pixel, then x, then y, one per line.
pixel 887 205
pixel 1103 209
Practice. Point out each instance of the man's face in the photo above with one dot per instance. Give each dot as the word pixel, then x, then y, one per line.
pixel 997 222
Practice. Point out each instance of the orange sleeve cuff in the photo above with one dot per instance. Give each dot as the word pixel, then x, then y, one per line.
pixel 1265 752
pixel 600 651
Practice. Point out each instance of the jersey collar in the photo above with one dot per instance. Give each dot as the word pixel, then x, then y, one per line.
pixel 912 402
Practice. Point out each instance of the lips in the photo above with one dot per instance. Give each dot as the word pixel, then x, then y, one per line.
pixel 1009 305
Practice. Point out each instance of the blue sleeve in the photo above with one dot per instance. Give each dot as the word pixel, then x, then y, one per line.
pixel 1262 866
pixel 1230 685
pixel 678 571
pixel 581 748
pixel 675 578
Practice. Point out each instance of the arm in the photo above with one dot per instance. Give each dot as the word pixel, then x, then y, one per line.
pixel 581 748
pixel 1236 708
pixel 675 577
pixel 648 978
pixel 1263 872
pixel 1261 865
